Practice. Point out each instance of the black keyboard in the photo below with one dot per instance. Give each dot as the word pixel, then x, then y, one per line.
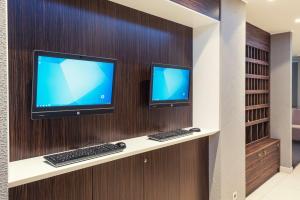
pixel 77 155
pixel 164 136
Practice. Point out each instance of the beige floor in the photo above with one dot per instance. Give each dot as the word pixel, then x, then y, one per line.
pixel 280 187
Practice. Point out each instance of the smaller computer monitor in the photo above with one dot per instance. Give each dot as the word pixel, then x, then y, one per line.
pixel 170 85
pixel 71 85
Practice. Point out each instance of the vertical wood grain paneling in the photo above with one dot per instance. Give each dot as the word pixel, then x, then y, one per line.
pixel 257 37
pixel 119 180
pixel 73 186
pixel 95 28
pixel 3 101
pixel 102 28
pixel 262 152
pixel 178 172
pixel 211 8
pixel 162 174
pixel 193 172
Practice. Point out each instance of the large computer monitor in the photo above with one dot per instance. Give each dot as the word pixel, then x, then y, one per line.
pixel 66 85
pixel 169 85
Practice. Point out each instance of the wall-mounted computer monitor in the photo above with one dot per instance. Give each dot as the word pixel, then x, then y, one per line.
pixel 71 85
pixel 170 85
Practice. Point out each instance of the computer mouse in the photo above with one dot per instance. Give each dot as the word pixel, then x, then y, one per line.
pixel 121 145
pixel 195 130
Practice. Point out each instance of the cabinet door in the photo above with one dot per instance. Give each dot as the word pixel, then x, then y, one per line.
pixel 194 170
pixel 262 165
pixel 162 174
pixel 119 180
pixel 72 186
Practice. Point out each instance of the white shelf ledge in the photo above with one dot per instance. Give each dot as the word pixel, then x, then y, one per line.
pixel 35 169
pixel 169 10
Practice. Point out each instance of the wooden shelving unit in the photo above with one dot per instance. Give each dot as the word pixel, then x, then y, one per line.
pixel 262 152
pixel 257 94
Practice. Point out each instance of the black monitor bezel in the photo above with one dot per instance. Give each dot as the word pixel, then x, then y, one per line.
pixel 60 111
pixel 169 103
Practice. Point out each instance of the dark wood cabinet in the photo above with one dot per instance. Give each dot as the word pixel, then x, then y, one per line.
pixel 193 174
pixel 119 180
pixel 162 174
pixel 72 186
pixel 178 172
pixel 262 152
pixel 262 162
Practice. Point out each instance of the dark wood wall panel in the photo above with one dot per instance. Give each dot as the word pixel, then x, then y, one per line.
pixel 257 37
pixel 72 186
pixel 210 8
pixel 95 28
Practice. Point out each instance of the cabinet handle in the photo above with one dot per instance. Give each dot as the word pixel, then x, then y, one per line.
pixel 265 152
pixel 145 160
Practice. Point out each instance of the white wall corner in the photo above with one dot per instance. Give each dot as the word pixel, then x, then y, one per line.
pixel 287 170
pixel 281 94
pixel 3 100
pixel 206 76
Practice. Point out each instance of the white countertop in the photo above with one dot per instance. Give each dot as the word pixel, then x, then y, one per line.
pixel 33 169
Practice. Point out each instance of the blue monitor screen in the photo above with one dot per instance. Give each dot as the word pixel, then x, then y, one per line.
pixel 72 82
pixel 170 84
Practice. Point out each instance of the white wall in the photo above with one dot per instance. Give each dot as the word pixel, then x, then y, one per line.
pixel 232 97
pixel 219 97
pixel 206 78
pixel 206 93
pixel 3 100
pixel 281 94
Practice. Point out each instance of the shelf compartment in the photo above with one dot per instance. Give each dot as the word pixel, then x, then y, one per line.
pixel 256 141
pixel 257 99
pixel 257 91
pixel 255 76
pixel 259 121
pixel 257 132
pixel 257 69
pixel 255 61
pixel 253 107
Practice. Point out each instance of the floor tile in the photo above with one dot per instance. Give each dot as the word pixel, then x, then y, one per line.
pixel 282 186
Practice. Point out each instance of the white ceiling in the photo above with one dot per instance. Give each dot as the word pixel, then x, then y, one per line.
pixel 276 16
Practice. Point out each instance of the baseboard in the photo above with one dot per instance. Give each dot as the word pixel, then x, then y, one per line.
pixel 287 170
